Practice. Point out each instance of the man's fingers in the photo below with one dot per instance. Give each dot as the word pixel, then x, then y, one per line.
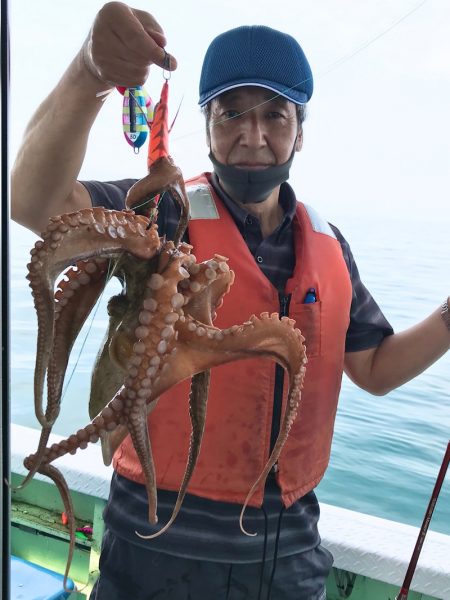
pixel 121 73
pixel 124 42
pixel 140 32
pixel 150 24
pixel 164 60
pixel 148 21
pixel 152 29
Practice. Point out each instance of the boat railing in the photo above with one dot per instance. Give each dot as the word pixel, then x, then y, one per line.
pixel 370 553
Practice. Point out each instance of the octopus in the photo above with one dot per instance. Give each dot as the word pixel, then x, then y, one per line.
pixel 161 331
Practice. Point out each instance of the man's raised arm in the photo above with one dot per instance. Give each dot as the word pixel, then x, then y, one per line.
pixel 121 46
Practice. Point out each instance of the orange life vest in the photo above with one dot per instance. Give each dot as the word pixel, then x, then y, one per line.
pixel 236 442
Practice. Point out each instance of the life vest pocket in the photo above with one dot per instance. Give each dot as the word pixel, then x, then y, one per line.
pixel 308 320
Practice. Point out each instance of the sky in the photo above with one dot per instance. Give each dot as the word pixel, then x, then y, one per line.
pixel 376 140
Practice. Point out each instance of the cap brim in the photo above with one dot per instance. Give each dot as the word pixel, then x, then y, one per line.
pixel 291 94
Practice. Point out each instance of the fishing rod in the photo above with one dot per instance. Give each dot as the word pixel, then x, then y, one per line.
pixel 403 594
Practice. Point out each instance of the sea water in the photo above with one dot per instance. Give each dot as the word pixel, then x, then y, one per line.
pixel 386 450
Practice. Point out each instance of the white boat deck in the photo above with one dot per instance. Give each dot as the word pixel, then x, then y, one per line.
pixel 362 544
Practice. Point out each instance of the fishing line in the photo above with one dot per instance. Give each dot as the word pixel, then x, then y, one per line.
pixel 371 41
pixel 148 201
pixel 337 63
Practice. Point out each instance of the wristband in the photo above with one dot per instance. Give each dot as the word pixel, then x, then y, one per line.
pixel 445 314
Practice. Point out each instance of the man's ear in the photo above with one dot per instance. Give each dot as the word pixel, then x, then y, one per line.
pixel 299 142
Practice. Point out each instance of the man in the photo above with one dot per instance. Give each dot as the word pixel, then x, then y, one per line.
pixel 254 85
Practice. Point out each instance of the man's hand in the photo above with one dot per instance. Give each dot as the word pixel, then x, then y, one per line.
pixel 122 45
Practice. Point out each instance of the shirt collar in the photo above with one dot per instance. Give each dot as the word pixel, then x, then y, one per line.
pixel 286 199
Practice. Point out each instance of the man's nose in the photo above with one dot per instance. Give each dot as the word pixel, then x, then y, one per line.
pixel 253 131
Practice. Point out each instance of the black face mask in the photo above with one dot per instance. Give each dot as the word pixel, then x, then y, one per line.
pixel 251 186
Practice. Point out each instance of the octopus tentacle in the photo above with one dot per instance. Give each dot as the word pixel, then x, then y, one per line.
pixel 164 177
pixel 64 242
pixel 75 297
pixel 267 336
pixel 109 371
pixel 49 257
pixel 74 300
pixel 137 427
pixel 133 353
pixel 197 412
pixel 296 378
pixel 58 479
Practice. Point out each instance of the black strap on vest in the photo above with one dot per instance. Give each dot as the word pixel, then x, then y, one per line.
pixel 279 379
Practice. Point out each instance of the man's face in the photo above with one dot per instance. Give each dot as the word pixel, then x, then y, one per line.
pixel 250 130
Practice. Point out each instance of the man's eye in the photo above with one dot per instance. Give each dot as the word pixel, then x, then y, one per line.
pixel 231 114
pixel 275 115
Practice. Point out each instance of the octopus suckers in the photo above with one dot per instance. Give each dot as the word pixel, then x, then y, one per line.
pixel 150 304
pixel 112 232
pixel 150 372
pixel 167 332
pixel 142 332
pixel 171 317
pixel 162 347
pixel 139 348
pixel 210 274
pixel 177 300
pixel 156 281
pixel 145 317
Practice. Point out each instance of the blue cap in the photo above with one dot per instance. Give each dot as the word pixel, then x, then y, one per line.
pixel 256 55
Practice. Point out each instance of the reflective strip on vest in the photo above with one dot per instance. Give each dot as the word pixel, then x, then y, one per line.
pixel 201 202
pixel 318 224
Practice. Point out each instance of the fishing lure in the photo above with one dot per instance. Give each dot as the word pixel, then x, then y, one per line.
pixel 159 139
pixel 163 176
pixel 137 115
